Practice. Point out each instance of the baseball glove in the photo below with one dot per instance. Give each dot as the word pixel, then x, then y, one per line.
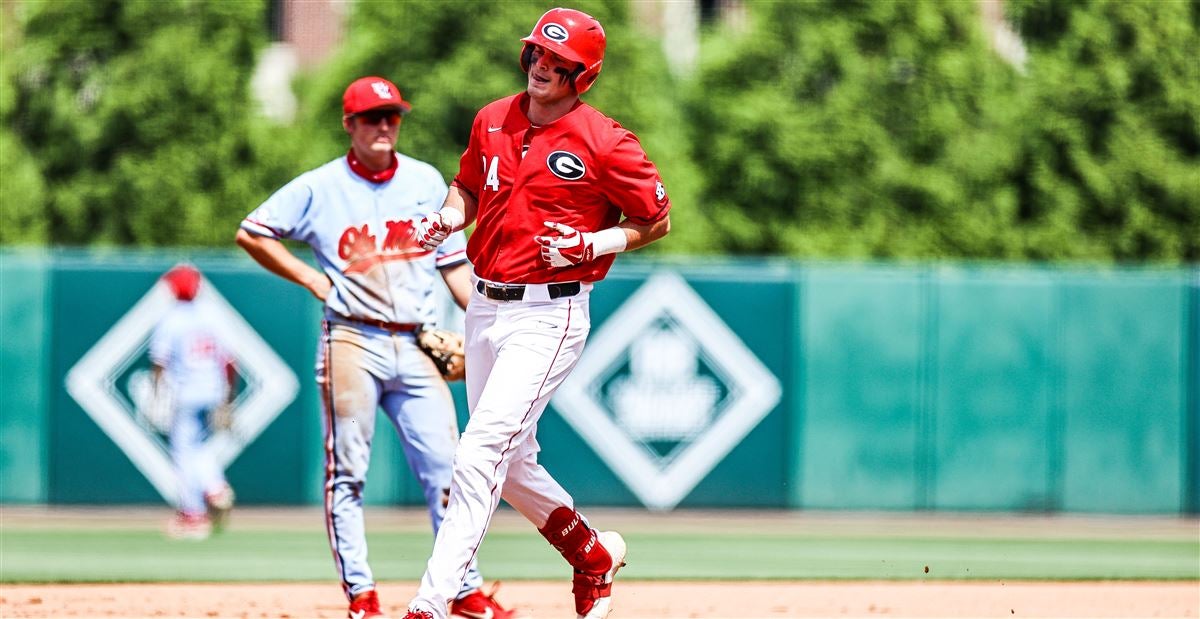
pixel 446 350
pixel 221 418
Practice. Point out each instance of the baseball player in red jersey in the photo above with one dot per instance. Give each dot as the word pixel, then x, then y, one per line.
pixel 555 189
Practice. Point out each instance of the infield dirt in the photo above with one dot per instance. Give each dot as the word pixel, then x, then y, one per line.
pixel 633 600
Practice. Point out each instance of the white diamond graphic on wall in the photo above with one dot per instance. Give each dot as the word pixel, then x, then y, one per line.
pixel 665 367
pixel 270 386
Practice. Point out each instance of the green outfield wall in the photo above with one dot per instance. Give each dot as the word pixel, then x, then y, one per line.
pixel 764 384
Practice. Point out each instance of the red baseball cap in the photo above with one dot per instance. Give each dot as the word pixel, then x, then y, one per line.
pixel 369 93
pixel 184 281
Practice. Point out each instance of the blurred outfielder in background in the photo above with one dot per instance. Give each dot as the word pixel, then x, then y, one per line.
pixel 194 372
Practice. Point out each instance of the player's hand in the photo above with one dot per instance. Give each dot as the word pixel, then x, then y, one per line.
pixel 319 285
pixel 430 231
pixel 570 248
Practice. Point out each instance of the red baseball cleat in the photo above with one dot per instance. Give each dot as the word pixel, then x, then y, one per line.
pixel 418 614
pixel 189 527
pixel 476 605
pixel 593 592
pixel 366 606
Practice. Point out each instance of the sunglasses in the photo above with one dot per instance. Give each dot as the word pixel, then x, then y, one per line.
pixel 374 117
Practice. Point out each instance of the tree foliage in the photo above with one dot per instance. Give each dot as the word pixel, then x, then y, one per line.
pixel 816 128
pixel 891 129
pixel 1110 135
pixel 137 118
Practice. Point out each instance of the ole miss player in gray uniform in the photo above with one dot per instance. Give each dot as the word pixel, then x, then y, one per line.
pixel 555 189
pixel 356 213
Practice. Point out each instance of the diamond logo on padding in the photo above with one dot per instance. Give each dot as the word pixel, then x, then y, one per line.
pixel 134 425
pixel 665 390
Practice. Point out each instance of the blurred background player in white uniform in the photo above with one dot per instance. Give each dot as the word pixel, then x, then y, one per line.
pixel 193 367
pixel 356 213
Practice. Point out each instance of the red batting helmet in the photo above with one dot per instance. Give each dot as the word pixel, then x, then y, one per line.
pixel 184 281
pixel 574 35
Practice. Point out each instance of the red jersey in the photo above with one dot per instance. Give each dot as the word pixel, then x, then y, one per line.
pixel 584 170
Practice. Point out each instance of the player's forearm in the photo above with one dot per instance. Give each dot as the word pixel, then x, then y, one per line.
pixel 276 258
pixel 570 247
pixel 458 281
pixel 638 235
pixel 460 201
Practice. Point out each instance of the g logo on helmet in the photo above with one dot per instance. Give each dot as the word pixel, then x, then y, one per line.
pixel 555 32
pixel 566 166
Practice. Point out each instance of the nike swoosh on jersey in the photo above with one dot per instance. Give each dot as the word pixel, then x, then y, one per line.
pixel 493 130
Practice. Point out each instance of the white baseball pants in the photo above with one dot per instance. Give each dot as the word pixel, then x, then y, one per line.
pixel 518 353
pixel 195 464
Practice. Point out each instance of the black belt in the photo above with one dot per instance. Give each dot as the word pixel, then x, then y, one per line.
pixel 516 292
pixel 394 327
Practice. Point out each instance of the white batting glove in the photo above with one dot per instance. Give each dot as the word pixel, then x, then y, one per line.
pixel 572 247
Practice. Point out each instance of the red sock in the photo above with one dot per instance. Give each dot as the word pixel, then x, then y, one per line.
pixel 576 541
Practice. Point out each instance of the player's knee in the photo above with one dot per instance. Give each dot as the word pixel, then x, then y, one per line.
pixel 472 467
pixel 484 440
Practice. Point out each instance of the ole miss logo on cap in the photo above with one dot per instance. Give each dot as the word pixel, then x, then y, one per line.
pixel 382 90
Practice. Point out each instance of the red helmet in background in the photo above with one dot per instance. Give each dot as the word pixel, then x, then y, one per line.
pixel 184 281
pixel 574 35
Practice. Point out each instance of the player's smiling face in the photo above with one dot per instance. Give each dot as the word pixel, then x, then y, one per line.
pixel 549 76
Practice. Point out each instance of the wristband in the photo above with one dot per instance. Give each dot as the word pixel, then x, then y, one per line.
pixel 609 241
pixel 452 218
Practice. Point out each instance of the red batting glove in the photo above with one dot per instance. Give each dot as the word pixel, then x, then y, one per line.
pixel 572 247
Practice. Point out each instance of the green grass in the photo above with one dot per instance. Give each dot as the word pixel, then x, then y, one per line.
pixel 75 555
